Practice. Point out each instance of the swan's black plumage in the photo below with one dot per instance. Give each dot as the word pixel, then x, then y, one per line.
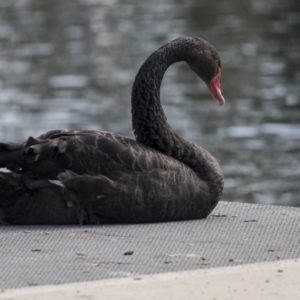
pixel 109 177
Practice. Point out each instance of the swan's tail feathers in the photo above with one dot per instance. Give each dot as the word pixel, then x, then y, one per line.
pixel 25 200
pixel 11 156
pixel 42 156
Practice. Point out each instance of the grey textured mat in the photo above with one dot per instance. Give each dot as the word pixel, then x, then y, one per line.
pixel 234 234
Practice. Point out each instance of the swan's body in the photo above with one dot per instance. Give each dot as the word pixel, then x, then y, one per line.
pixel 109 177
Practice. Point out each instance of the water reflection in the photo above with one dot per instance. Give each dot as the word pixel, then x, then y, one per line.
pixel 70 64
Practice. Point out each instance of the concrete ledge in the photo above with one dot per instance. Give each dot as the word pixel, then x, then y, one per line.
pixel 276 280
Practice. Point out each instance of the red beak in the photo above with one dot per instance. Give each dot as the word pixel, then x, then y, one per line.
pixel 215 88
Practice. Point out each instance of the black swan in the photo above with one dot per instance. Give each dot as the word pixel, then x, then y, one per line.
pixel 107 177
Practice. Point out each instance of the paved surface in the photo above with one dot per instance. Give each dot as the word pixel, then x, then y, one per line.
pixel 273 281
pixel 234 234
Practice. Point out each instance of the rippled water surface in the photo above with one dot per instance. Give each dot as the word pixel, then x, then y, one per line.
pixel 70 64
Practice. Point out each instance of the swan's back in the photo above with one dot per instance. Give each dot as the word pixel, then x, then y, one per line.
pixel 84 152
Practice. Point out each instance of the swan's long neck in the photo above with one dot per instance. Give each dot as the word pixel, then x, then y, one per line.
pixel 149 121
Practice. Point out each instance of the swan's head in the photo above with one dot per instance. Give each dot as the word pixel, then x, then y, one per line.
pixel 205 62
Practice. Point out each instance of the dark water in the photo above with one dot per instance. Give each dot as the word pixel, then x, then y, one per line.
pixel 70 64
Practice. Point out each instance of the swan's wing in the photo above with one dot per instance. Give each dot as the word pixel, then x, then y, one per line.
pixel 83 152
